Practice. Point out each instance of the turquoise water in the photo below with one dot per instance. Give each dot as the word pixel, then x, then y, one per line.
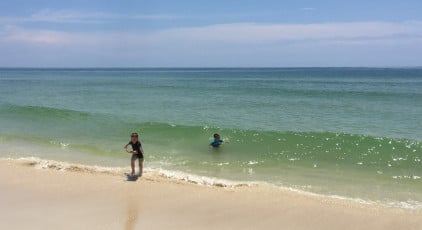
pixel 352 132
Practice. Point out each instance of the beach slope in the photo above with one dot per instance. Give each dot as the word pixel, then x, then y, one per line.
pixel 34 198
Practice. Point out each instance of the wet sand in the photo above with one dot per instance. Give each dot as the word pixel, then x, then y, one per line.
pixel 34 198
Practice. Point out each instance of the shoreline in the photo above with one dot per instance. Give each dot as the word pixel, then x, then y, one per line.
pixel 77 199
pixel 163 175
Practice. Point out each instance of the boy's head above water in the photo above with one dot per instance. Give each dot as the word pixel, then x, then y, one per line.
pixel 134 137
pixel 217 136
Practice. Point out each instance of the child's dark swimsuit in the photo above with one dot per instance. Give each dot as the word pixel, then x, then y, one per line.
pixel 137 147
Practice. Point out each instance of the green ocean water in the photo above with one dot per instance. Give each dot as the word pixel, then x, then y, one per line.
pixel 349 132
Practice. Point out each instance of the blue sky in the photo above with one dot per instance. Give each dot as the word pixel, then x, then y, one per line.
pixel 188 33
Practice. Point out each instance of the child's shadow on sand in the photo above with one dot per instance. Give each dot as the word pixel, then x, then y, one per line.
pixel 131 177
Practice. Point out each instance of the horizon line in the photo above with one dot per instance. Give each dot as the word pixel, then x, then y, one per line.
pixel 204 67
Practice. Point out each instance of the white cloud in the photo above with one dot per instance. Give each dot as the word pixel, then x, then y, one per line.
pixel 308 8
pixel 16 36
pixel 222 45
pixel 242 33
pixel 77 16
pixel 69 16
pixel 238 33
pixel 250 33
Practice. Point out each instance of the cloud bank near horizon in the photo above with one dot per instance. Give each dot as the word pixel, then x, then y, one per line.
pixel 371 43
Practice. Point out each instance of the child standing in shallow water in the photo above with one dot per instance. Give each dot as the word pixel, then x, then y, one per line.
pixel 137 153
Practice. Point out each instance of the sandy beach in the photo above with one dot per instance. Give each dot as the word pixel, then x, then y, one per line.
pixel 233 115
pixel 35 198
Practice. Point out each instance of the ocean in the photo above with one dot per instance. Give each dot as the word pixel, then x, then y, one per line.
pixel 352 133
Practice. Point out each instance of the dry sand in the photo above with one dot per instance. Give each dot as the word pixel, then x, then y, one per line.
pixel 32 198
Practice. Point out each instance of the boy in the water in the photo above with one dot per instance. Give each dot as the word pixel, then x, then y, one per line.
pixel 217 142
pixel 137 153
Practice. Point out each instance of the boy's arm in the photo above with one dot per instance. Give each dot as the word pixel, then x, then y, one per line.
pixel 126 148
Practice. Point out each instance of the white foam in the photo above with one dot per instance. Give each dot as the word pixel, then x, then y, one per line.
pixel 65 166
pixel 409 204
pixel 201 180
pixel 206 181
